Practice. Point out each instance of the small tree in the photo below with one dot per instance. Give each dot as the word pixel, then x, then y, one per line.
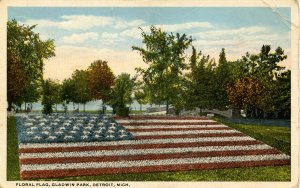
pixel 50 93
pixel 81 92
pixel 122 94
pixel 100 80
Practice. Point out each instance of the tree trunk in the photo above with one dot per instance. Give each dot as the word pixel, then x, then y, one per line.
pixel 83 107
pixel 56 108
pixel 9 106
pixel 25 106
pixel 140 107
pixel 78 107
pixel 167 108
pixel 103 107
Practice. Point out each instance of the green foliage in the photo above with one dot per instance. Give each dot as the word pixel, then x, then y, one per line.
pixel 165 54
pixel 51 95
pixel 26 53
pixel 13 167
pixel 201 82
pixel 121 94
pixel 67 89
pixel 100 80
pixel 272 95
pixel 81 92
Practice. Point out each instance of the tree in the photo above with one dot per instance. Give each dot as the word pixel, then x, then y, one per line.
pixel 200 84
pixel 26 53
pixel 81 93
pixel 246 93
pixel 50 95
pixel 165 55
pixel 100 80
pixel 222 79
pixel 265 69
pixel 31 92
pixel 121 94
pixel 66 93
pixel 141 94
pixel 16 79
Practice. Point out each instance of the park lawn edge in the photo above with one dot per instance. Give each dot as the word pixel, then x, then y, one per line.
pixel 269 173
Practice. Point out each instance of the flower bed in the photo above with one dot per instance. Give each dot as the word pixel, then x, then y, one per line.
pixel 65 128
pixel 162 144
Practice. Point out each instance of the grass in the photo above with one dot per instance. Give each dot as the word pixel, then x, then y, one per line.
pixel 13 169
pixel 278 137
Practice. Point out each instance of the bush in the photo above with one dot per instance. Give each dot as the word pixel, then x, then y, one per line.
pixel 47 109
pixel 123 111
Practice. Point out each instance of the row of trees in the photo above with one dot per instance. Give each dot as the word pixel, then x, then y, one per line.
pixel 255 83
pixel 96 83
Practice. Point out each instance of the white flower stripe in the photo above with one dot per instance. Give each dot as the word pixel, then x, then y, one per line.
pixel 141 163
pixel 142 151
pixel 136 142
pixel 181 132
pixel 173 126
pixel 164 121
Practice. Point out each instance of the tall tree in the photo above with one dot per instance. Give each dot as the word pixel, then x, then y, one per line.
pixel 223 77
pixel 29 53
pixel 100 80
pixel 201 81
pixel 165 55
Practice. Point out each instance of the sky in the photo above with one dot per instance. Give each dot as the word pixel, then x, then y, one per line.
pixel 83 35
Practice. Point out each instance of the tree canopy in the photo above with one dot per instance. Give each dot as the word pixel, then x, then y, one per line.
pixel 165 55
pixel 26 53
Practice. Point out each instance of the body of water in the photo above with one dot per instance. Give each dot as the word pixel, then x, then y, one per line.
pixel 92 105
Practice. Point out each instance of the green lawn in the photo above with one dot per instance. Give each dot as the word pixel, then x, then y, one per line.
pixel 278 137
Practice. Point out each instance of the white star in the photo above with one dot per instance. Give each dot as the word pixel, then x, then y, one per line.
pixel 30 132
pixel 110 131
pixel 59 132
pixel 97 136
pixel 46 128
pixel 88 128
pixel 46 132
pixel 110 136
pixel 67 137
pixel 62 128
pixel 28 124
pixel 122 131
pixel 52 137
pixel 84 137
pixel 37 137
pixel 33 128
pixel 101 124
pixel 76 128
pixel 86 132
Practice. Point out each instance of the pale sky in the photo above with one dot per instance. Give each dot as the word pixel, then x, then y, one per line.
pixel 83 35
